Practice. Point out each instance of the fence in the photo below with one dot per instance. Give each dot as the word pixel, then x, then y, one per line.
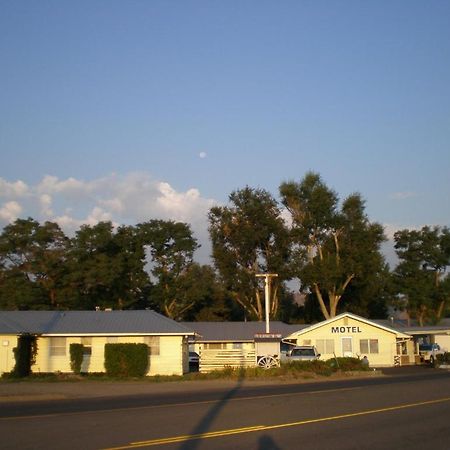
pixel 217 359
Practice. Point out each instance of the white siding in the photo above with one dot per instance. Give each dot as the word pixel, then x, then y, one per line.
pixel 172 358
pixel 7 360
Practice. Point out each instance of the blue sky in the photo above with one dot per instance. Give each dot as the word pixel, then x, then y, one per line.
pixel 129 110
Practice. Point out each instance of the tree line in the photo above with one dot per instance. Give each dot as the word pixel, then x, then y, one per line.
pixel 330 246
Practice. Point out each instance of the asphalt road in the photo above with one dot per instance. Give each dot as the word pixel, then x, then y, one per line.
pixel 407 409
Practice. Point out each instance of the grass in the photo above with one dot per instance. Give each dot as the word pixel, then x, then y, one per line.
pixel 293 370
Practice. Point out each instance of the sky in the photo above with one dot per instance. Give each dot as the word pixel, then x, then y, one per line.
pixel 133 110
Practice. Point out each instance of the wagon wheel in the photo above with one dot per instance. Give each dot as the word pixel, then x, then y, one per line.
pixel 267 362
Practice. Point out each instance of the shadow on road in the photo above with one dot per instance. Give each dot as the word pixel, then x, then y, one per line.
pixel 267 443
pixel 204 426
pixel 207 421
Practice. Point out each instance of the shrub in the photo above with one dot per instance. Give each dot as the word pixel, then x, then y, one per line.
pixel 126 360
pixel 347 364
pixel 76 357
pixel 443 359
pixel 25 355
pixel 318 367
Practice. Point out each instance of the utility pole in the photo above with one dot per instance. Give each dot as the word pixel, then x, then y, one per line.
pixel 267 277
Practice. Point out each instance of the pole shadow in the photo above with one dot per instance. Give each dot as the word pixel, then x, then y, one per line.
pixel 265 442
pixel 205 424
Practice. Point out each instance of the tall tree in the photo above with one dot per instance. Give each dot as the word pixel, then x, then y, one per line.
pixel 333 246
pixel 171 247
pixel 250 237
pixel 107 267
pixel 33 265
pixel 421 275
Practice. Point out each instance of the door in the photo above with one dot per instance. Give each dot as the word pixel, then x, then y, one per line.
pixel 347 346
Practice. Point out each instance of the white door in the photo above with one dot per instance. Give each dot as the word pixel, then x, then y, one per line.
pixel 347 346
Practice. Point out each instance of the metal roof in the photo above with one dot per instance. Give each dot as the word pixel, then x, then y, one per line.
pixel 355 317
pixel 238 331
pixel 443 327
pixel 89 322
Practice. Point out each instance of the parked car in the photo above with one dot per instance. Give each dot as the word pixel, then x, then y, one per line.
pixel 194 360
pixel 302 353
pixel 429 352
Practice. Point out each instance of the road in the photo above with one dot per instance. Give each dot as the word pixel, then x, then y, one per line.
pixel 403 410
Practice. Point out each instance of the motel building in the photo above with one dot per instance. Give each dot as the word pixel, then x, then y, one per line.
pixel 353 336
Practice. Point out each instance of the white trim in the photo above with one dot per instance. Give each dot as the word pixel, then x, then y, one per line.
pixel 340 316
pixel 112 334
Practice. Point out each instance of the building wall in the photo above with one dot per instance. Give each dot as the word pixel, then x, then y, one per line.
pixel 169 358
pixel 443 340
pixel 7 360
pixel 362 339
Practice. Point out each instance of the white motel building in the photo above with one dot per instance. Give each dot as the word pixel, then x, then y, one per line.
pixel 354 336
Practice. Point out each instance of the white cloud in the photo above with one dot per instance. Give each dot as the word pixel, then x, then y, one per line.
pixel 126 199
pixel 46 203
pixel 203 155
pixel 10 211
pixel 17 189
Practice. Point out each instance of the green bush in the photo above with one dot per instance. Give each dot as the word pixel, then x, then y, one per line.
pixel 443 359
pixel 126 360
pixel 25 355
pixel 76 357
pixel 347 364
pixel 318 367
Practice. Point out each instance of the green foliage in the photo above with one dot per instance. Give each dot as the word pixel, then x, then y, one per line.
pixel 334 246
pixel 443 359
pixel 76 357
pixel 107 267
pixel 422 283
pixel 126 360
pixel 250 237
pixel 171 247
pixel 318 367
pixel 32 265
pixel 347 364
pixel 25 355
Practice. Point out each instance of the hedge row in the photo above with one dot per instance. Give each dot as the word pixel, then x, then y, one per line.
pixel 126 360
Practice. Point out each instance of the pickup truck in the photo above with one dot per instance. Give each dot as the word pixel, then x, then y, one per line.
pixel 302 353
pixel 429 352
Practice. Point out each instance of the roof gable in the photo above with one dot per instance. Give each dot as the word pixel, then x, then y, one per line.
pixel 349 316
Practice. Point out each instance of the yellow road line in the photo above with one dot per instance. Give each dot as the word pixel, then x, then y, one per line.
pixel 213 434
pixel 177 405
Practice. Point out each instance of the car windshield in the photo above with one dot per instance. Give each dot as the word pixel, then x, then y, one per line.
pixel 303 352
pixel 426 347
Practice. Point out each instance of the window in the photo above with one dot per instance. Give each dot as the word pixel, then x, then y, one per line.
pixel 153 344
pixel 215 346
pixel 325 346
pixel 87 345
pixel 368 346
pixel 238 345
pixel 57 346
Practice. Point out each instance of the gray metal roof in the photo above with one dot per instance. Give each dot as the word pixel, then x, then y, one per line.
pixel 238 331
pixel 444 325
pixel 89 322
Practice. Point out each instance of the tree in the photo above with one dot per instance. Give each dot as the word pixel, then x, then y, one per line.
pixel 421 276
pixel 33 265
pixel 333 247
pixel 171 247
pixel 107 267
pixel 250 237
